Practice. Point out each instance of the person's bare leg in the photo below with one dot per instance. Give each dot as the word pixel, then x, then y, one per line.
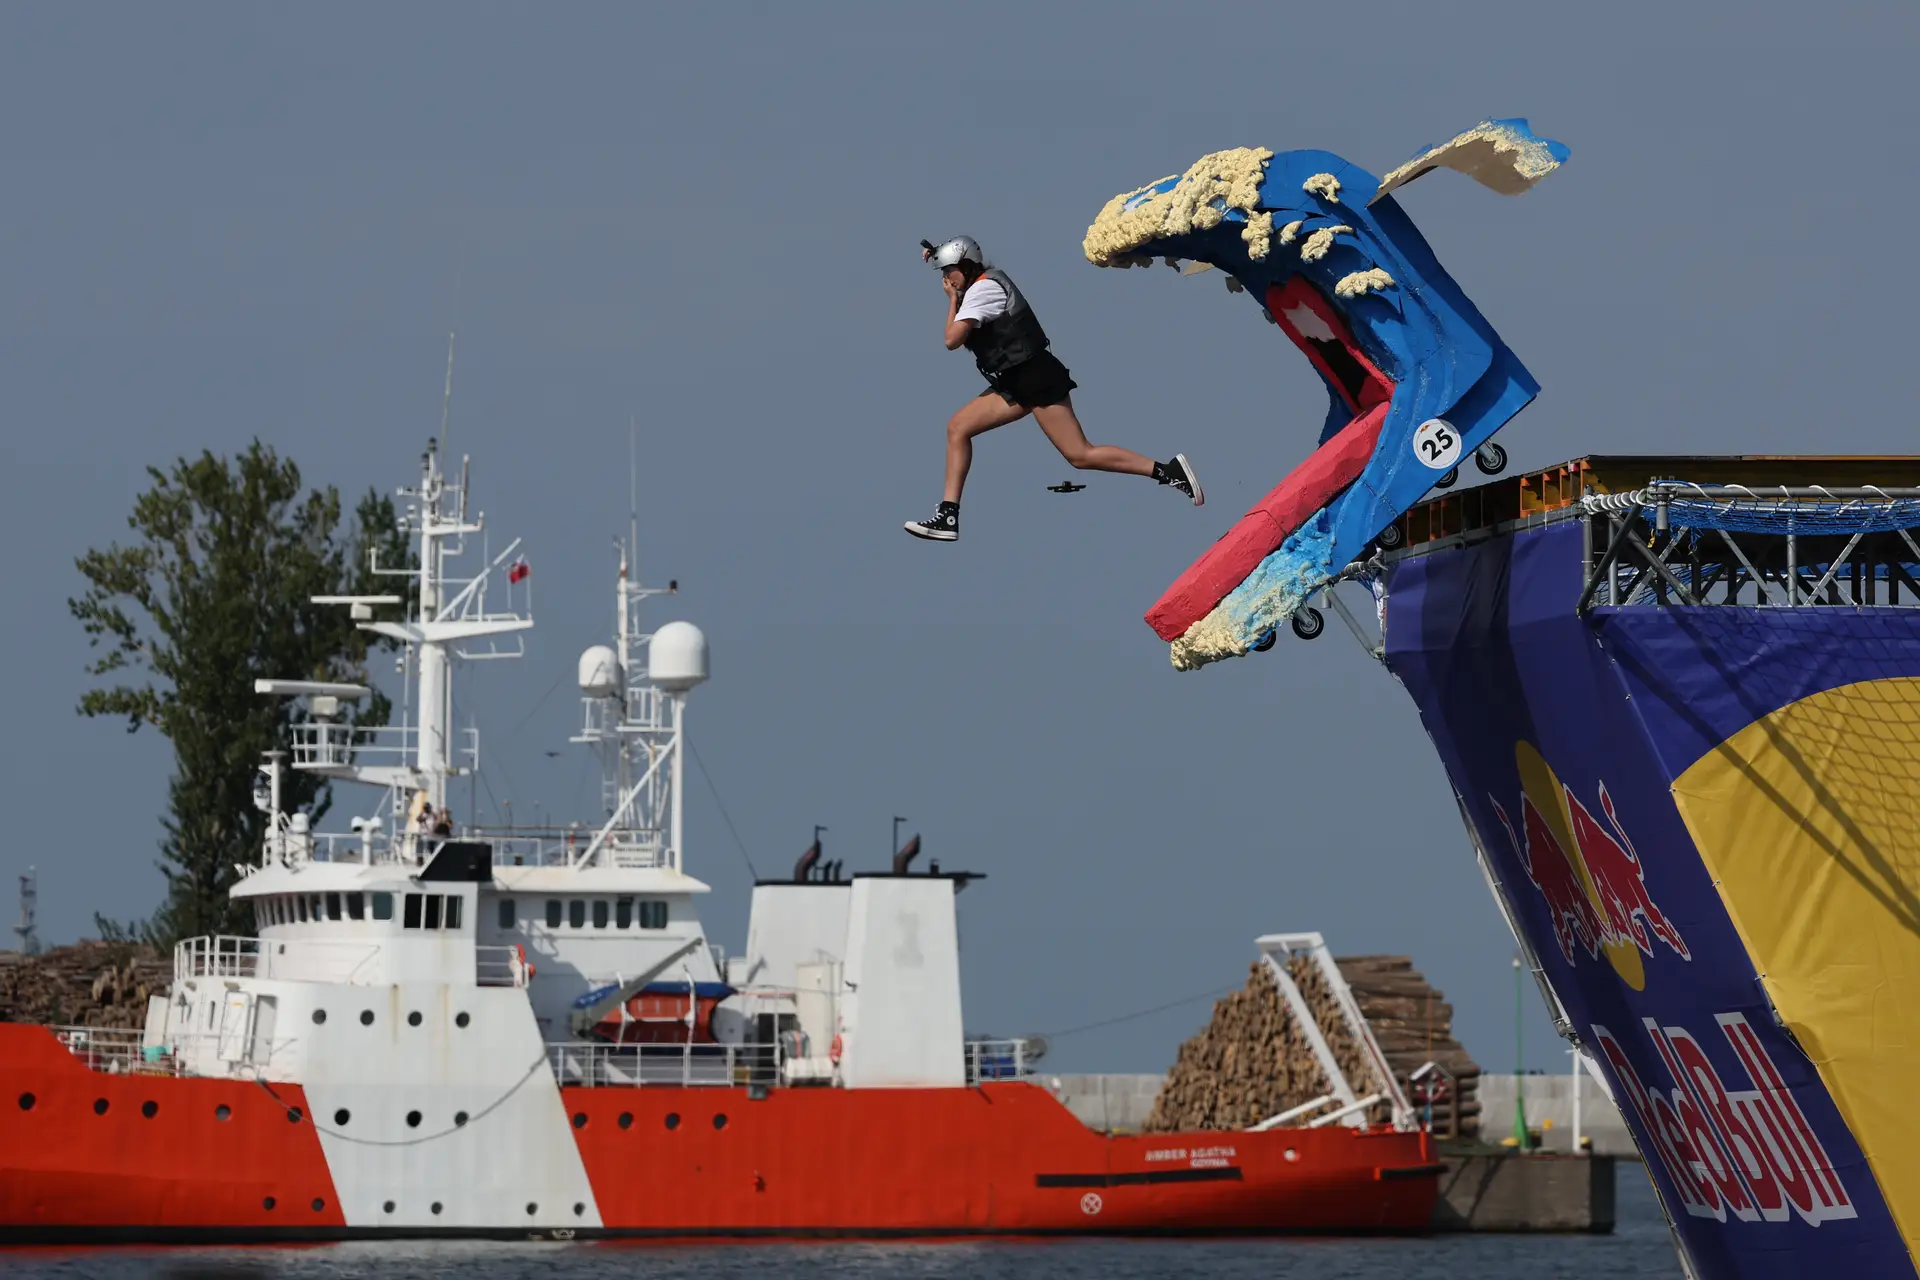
pixel 1064 430
pixel 978 416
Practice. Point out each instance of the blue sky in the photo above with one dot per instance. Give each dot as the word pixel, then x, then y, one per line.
pixel 224 221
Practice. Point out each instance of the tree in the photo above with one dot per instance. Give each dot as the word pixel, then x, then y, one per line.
pixel 215 591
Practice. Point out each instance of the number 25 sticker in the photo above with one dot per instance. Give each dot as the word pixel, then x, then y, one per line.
pixel 1437 444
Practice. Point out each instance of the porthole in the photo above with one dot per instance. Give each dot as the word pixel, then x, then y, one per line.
pixel 318 1204
pixel 532 1208
pixel 579 1210
pixel 579 1119
pixel 387 1207
pixel 461 1020
pixel 459 1119
pixel 626 1119
pixel 341 1117
pixel 720 1120
pixel 268 1203
pixel 223 1112
pixel 673 1119
pixel 294 1114
pixel 319 1016
pixel 413 1119
pixel 26 1101
pixel 149 1108
pixel 413 1019
pixel 99 1106
pixel 366 1017
pixel 436 1208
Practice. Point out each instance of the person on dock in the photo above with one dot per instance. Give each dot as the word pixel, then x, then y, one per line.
pixel 989 316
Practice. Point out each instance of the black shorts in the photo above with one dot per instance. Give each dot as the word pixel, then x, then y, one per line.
pixel 1033 384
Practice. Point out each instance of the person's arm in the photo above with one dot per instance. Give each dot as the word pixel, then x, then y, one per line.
pixel 957 330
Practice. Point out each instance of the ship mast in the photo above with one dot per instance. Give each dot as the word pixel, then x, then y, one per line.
pixel 449 615
pixel 635 718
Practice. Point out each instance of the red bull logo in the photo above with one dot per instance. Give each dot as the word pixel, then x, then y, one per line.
pixel 1741 1153
pixel 1589 874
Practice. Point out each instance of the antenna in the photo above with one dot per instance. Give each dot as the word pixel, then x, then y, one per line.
pixel 28 928
pixel 446 399
pixel 633 485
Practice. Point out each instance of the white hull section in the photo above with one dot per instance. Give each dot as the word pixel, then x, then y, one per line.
pixel 493 1145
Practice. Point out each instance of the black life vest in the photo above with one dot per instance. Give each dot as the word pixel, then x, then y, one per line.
pixel 1014 338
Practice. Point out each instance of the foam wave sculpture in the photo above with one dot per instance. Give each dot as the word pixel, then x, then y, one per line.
pixel 1416 378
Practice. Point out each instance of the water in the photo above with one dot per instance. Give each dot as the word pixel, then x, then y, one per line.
pixel 1638 1248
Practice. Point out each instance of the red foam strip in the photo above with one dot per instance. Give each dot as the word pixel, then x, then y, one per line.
pixel 1259 533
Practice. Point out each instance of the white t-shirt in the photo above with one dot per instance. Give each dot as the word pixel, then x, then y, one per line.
pixel 983 301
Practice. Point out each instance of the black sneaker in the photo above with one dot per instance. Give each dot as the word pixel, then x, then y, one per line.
pixel 942 526
pixel 1179 474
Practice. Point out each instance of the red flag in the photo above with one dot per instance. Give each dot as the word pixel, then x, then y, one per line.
pixel 519 571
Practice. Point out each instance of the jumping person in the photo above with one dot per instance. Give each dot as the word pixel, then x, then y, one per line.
pixel 989 316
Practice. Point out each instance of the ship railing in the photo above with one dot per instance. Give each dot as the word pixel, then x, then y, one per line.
pixel 611 1065
pixel 328 744
pixel 1012 1059
pixel 300 959
pixel 124 1051
pixel 563 847
pixel 218 956
pixel 501 966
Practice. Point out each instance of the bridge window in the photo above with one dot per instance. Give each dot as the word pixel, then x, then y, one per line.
pixel 577 913
pixel 453 911
pixel 553 913
pixel 410 912
pixel 356 906
pixel 653 915
pixel 433 911
pixel 303 908
pixel 333 906
pixel 383 906
pixel 599 913
pixel 623 913
pixel 506 913
pixel 316 907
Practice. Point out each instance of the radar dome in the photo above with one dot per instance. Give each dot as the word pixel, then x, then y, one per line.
pixel 677 657
pixel 600 672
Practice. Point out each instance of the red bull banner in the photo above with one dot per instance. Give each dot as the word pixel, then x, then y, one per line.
pixel 1700 819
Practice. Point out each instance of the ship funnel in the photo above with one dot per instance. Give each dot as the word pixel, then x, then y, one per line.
pixel 908 852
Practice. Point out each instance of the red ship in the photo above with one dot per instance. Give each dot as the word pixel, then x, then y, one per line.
pixel 515 1033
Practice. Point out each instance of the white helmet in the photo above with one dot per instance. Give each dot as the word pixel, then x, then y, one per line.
pixel 957 250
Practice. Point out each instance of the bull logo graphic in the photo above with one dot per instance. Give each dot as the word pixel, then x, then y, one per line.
pixel 1591 877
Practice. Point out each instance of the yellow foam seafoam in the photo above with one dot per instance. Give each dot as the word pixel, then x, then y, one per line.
pixel 1230 177
pixel 1356 283
pixel 1292 229
pixel 1496 156
pixel 1808 821
pixel 1214 637
pixel 1320 241
pixel 1324 185
pixel 1258 235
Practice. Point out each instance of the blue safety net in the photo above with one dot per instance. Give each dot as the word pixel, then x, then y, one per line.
pixel 1802 517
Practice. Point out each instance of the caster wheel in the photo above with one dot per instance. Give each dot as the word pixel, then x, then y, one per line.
pixel 1308 623
pixel 1389 537
pixel 1265 642
pixel 1490 458
pixel 1446 481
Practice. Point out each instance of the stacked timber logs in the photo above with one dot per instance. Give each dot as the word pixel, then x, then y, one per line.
pixel 89 984
pixel 1253 1060
pixel 1413 1024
